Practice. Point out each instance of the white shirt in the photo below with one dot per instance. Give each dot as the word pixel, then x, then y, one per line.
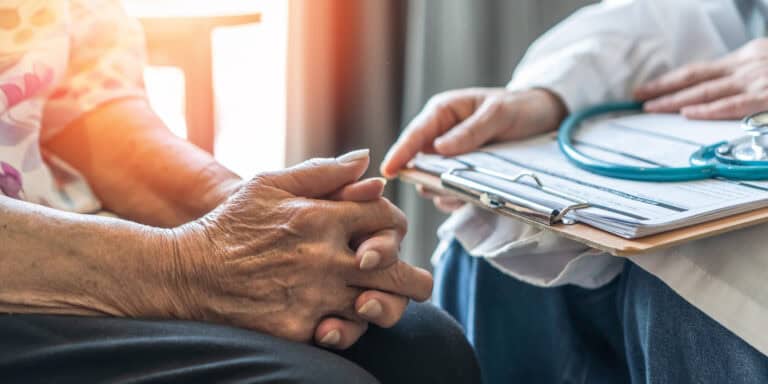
pixel 597 55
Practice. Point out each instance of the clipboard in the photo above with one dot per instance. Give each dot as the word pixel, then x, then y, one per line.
pixel 554 220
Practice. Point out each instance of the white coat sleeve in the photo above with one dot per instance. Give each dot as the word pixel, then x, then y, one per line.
pixel 601 52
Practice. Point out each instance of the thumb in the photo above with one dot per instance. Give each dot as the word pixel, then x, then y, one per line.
pixel 317 178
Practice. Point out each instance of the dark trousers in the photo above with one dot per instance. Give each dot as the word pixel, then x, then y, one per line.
pixel 427 346
pixel 632 330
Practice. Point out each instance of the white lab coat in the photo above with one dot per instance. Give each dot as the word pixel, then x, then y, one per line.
pixel 600 54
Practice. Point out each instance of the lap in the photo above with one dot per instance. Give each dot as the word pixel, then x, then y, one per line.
pixel 74 349
pixel 524 333
pixel 635 329
pixel 670 341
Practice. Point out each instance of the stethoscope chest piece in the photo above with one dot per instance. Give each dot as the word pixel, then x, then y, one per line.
pixel 751 148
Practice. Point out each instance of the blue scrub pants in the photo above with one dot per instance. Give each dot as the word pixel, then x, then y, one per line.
pixel 632 330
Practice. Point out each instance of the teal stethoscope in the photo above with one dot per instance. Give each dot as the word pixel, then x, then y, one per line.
pixel 745 158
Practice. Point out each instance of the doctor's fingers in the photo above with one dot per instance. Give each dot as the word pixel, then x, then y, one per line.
pixel 698 94
pixel 429 193
pixel 732 108
pixel 681 78
pixel 493 115
pixel 443 202
pixel 447 204
pixel 440 114
pixel 426 192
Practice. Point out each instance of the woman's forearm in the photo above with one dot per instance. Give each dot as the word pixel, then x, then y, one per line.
pixel 62 263
pixel 139 169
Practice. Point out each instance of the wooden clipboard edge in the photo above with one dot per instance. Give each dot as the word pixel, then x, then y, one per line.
pixel 608 242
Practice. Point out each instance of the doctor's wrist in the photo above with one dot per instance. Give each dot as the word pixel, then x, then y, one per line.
pixel 532 112
pixel 554 110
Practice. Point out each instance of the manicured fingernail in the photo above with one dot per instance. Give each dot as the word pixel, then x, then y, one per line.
pixel 331 338
pixel 371 310
pixel 351 157
pixel 369 260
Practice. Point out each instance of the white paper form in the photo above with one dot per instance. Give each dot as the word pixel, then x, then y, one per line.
pixel 627 208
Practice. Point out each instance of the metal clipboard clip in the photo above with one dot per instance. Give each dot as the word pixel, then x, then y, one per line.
pixel 495 199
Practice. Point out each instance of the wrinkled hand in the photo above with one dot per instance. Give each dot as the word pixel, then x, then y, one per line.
pixel 276 258
pixel 463 120
pixel 728 88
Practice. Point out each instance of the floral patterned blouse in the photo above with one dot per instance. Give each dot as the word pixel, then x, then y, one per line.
pixel 58 60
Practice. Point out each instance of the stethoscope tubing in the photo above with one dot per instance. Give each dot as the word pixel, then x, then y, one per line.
pixel 703 162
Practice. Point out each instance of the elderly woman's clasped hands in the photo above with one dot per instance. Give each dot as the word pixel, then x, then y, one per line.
pixel 279 258
pixel 309 253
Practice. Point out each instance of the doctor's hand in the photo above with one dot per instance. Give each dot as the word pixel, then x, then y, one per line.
pixel 280 258
pixel 461 121
pixel 731 87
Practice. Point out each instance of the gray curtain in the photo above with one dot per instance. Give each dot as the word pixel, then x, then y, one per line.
pixel 359 70
pixel 461 43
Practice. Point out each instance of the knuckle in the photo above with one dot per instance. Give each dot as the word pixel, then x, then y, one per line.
pixel 441 107
pixel 494 103
pixel 439 100
pixel 258 181
pixel 397 217
pixel 295 328
pixel 389 250
pixel 742 103
pixel 316 256
pixel 736 85
pixel 494 108
pixel 397 275
pixel 472 134
pixel 708 92
pixel 760 83
pixel 302 215
pixel 690 74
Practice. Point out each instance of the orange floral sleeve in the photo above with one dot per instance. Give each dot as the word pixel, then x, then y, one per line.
pixel 106 60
